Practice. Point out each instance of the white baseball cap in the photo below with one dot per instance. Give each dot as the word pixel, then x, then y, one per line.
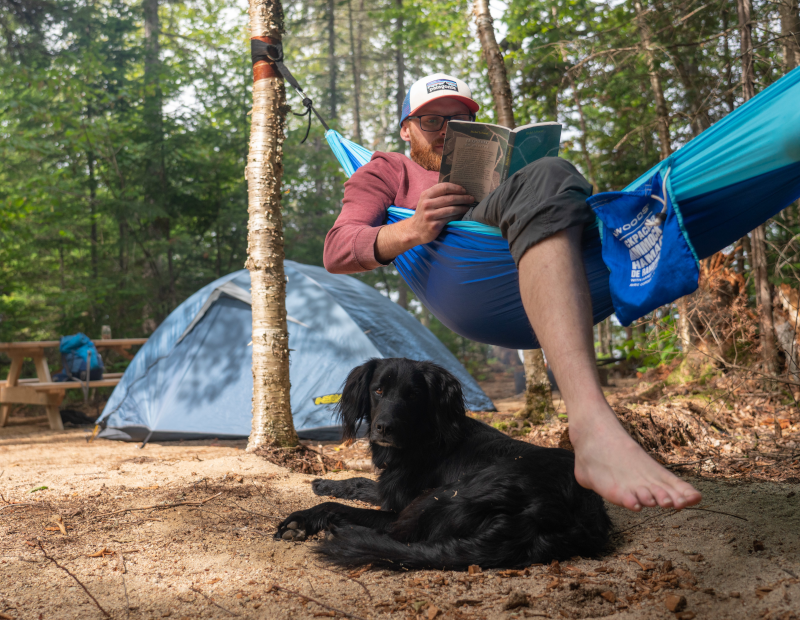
pixel 436 86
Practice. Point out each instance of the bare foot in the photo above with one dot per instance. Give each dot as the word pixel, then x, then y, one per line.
pixel 613 465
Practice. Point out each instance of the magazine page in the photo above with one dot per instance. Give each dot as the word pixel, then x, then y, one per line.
pixel 474 157
pixel 534 142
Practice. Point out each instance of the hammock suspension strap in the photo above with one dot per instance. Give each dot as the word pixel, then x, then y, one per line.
pixel 273 53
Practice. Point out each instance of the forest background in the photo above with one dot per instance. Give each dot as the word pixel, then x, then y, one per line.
pixel 124 134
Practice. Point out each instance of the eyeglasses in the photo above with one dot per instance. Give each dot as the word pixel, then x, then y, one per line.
pixel 434 122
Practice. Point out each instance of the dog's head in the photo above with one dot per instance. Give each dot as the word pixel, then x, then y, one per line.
pixel 407 404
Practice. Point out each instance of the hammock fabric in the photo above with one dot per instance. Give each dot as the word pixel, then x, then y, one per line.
pixel 710 193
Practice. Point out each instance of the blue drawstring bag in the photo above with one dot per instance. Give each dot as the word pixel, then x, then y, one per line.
pixel 74 353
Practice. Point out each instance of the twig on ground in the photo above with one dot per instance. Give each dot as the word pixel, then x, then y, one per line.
pixel 78 581
pixel 313 600
pixel 347 577
pixel 213 602
pixel 157 507
pixel 643 521
pixel 14 505
pixel 671 465
pixel 123 570
pixel 259 514
pixel 719 512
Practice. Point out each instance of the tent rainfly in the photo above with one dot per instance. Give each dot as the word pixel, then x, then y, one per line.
pixel 193 378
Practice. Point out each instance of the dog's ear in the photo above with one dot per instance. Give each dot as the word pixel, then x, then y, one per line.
pixel 354 406
pixel 446 401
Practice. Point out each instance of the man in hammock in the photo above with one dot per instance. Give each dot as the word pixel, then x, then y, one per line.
pixel 541 211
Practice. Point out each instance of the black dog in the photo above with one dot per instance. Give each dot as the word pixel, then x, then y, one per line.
pixel 453 491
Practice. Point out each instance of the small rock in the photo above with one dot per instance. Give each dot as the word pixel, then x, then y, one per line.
pixel 288 535
pixel 685 615
pixel 675 603
pixel 697 557
pixel 609 596
pixel 433 611
pixel 473 569
pixel 734 595
pixel 516 599
pixel 292 526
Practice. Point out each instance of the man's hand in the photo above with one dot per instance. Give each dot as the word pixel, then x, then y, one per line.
pixel 442 203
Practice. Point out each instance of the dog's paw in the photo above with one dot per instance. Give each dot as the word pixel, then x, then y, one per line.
pixel 321 486
pixel 304 523
pixel 292 528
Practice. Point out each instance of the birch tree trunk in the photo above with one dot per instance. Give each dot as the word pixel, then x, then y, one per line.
pixel 538 401
pixel 272 412
pixel 758 241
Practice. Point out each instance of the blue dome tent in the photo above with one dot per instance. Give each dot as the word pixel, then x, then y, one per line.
pixel 645 249
pixel 193 377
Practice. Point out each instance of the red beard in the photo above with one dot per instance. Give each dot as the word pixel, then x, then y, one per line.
pixel 423 153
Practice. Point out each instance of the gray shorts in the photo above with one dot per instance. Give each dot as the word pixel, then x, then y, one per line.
pixel 545 197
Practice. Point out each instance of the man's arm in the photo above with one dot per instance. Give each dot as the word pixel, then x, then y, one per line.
pixel 442 203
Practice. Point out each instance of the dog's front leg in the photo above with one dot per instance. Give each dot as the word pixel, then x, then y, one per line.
pixel 329 515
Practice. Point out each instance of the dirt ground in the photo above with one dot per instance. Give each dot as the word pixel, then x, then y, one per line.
pixel 184 530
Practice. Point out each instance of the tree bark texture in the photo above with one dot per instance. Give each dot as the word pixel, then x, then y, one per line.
pixel 400 67
pixel 538 403
pixel 272 412
pixel 498 78
pixel 331 14
pixel 662 111
pixel 758 241
pixel 538 400
pixel 790 31
pixel 355 58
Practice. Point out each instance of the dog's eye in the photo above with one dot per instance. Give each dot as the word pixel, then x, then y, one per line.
pixel 379 391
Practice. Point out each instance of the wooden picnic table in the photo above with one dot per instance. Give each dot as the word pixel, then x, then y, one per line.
pixel 43 390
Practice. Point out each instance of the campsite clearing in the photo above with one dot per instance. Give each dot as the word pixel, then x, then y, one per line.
pixel 199 545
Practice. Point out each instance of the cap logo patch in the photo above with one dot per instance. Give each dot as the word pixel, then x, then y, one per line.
pixel 437 85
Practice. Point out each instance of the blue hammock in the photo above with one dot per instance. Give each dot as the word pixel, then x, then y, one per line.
pixel 645 249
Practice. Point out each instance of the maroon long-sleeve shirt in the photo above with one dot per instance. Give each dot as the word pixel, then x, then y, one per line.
pixel 388 179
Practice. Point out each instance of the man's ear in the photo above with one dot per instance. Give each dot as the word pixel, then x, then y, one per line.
pixel 355 404
pixel 405 131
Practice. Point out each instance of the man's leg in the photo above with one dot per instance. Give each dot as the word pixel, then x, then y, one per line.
pixel 556 297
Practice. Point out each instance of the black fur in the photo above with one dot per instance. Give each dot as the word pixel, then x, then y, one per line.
pixel 453 491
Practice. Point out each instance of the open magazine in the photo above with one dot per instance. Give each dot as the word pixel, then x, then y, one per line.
pixel 480 156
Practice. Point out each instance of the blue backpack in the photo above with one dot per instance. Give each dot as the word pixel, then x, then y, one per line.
pixel 74 353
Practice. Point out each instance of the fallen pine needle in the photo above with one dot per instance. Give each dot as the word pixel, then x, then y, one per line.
pixel 213 602
pixel 78 581
pixel 158 507
pixel 313 600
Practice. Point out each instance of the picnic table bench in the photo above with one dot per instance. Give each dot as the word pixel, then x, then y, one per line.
pixel 43 390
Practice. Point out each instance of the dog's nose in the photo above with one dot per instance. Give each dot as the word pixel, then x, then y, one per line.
pixel 383 428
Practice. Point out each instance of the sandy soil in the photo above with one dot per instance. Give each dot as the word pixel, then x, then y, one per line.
pixel 738 556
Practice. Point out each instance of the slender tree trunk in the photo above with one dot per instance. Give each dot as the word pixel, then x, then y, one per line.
pixel 402 295
pixel 272 411
pixel 355 56
pixel 758 241
pixel 155 181
pixel 790 31
pixel 93 214
pixel 538 403
pixel 655 82
pixel 400 68
pixel 498 78
pixel 332 58
pixel 609 337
